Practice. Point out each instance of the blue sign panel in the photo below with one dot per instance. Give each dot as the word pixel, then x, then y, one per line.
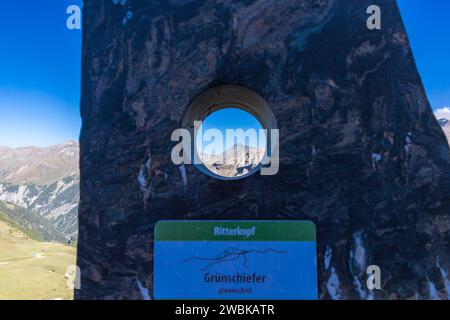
pixel 235 260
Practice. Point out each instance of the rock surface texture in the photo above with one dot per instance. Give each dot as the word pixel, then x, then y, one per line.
pixel 361 153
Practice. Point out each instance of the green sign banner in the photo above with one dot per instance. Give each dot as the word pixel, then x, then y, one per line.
pixel 235 230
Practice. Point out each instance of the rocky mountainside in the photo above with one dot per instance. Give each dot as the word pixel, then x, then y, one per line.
pixel 32 224
pixel 44 181
pixel 39 166
pixel 237 161
pixel 443 116
pixel 361 154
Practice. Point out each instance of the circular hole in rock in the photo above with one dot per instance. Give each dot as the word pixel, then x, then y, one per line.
pixel 231 143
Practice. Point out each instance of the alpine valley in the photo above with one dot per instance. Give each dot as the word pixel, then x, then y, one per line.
pixel 40 189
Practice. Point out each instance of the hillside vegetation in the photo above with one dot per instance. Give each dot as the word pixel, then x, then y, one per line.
pixel 30 223
pixel 32 270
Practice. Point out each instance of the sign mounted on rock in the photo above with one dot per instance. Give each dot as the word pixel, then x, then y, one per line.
pixel 235 260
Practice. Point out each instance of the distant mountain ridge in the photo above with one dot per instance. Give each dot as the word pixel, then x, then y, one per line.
pixel 236 161
pixel 43 181
pixel 40 166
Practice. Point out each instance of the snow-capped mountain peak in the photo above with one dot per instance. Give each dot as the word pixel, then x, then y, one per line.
pixel 443 117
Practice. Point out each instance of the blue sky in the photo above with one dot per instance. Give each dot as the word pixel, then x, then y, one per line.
pixel 230 118
pixel 40 66
pixel 428 26
pixel 39 73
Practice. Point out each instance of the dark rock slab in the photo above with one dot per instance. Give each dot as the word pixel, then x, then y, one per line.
pixel 361 152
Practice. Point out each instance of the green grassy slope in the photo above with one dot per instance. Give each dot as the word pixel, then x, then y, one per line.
pixel 30 269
